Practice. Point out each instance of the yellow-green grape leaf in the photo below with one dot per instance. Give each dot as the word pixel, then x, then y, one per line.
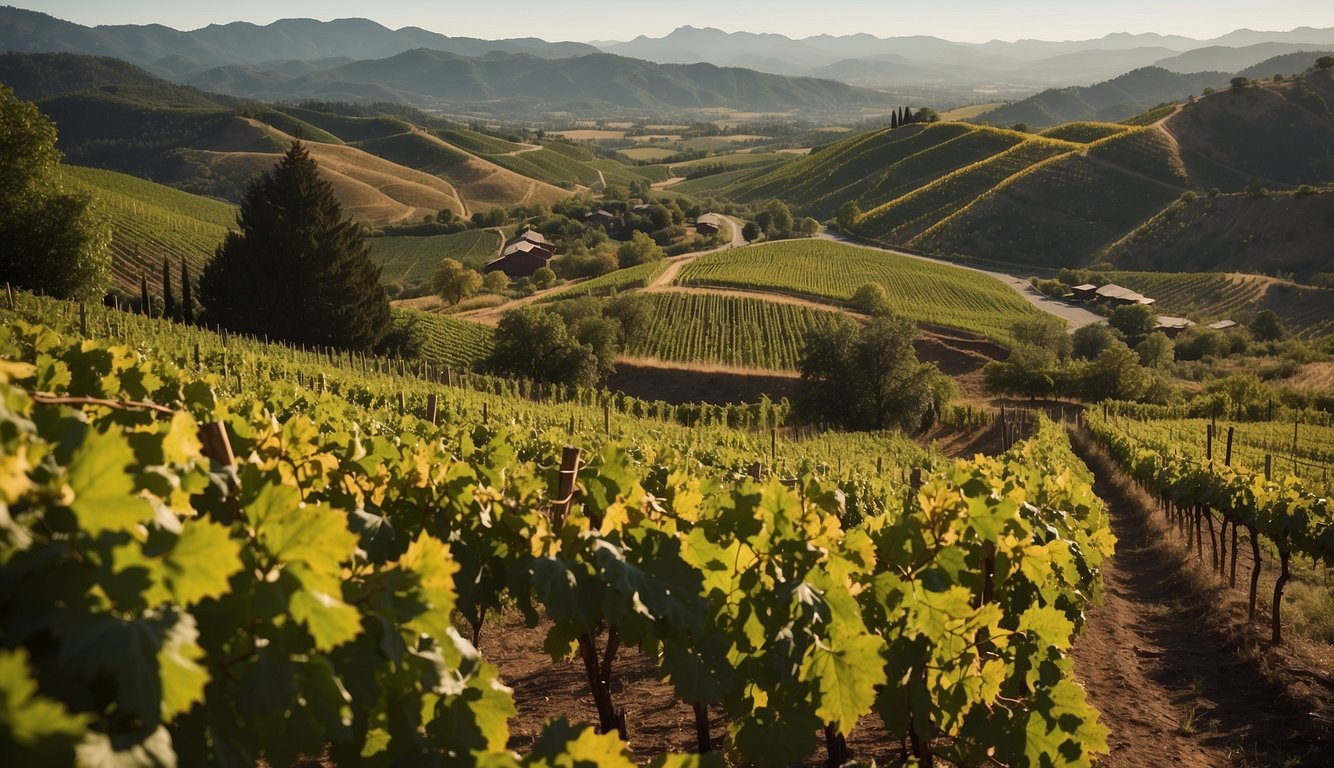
pixel 1048 624
pixel 330 621
pixel 847 674
pixel 429 560
pixel 183 679
pixel 202 562
pixel 34 730
pixel 103 487
pixel 1062 729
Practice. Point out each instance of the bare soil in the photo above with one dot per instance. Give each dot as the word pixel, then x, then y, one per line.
pixel 1170 663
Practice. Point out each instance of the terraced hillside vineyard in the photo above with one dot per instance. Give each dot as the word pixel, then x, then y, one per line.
pixel 151 222
pixel 726 330
pixel 451 342
pixel 924 291
pixel 1209 296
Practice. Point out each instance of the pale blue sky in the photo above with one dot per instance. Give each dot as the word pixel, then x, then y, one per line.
pixel 960 20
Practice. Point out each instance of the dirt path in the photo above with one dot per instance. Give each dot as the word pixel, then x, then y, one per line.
pixel 1172 687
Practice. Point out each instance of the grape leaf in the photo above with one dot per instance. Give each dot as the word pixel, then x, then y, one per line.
pixel 103 485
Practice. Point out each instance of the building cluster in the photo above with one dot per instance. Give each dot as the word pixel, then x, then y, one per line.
pixel 1113 296
pixel 526 253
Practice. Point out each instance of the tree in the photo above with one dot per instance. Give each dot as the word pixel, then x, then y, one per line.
pixel 640 249
pixel 750 232
pixel 168 297
pixel 868 377
pixel 1115 374
pixel 1135 321
pixel 808 227
pixel 1266 326
pixel 1324 62
pixel 534 344
pixel 1238 83
pixel 543 277
pixel 1046 332
pixel 495 281
pixel 187 295
pixel 780 217
pixel 1156 351
pixel 296 270
pixel 632 312
pixel 893 120
pixel 872 299
pixel 51 240
pixel 1088 342
pixel 454 282
pixel 847 216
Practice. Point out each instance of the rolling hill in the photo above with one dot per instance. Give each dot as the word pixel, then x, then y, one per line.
pixel 1116 99
pixel 1079 191
pixel 529 83
pixel 389 164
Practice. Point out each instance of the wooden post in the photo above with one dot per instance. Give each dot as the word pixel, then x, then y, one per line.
pixel 569 472
pixel 197 366
pixel 1294 446
pixel 324 385
pixel 773 445
pixel 1209 442
pixel 1269 466
pixel 9 290
pixel 486 415
pixel 83 320
pixel 606 417
pixel 402 403
pixel 879 465
pixel 1227 457
pixel 915 478
pixel 754 470
pixel 431 407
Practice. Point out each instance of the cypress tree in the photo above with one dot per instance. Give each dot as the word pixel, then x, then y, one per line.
pixel 908 116
pixel 145 305
pixel 894 119
pixel 297 269
pixel 187 299
pixel 168 297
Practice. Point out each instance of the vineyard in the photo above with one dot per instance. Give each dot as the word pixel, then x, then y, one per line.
pixel 630 278
pixel 1204 492
pixel 451 342
pixel 211 571
pixel 1224 296
pixel 410 260
pixel 726 330
pixel 921 290
pixel 151 222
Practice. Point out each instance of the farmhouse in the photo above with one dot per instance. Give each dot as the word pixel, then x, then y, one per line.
pixel 1171 326
pixel 602 219
pixel 1085 292
pixel 708 224
pixel 1117 296
pixel 1223 325
pixel 528 252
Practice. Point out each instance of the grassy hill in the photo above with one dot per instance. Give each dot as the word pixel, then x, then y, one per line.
pixel 116 116
pixel 924 291
pixel 411 261
pixel 1279 233
pixel 151 222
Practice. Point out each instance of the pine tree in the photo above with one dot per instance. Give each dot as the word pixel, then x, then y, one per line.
pixel 168 297
pixel 145 303
pixel 297 270
pixel 187 299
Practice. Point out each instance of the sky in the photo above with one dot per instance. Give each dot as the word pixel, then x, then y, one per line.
pixel 582 20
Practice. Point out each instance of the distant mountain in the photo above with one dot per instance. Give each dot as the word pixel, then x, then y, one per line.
pixel 1222 59
pixel 1287 64
pixel 432 78
pixel 1114 100
pixel 175 54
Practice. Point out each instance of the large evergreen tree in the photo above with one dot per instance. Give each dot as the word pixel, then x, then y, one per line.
pixel 298 269
pixel 168 297
pixel 187 297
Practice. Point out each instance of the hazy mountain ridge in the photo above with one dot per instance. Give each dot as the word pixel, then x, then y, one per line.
pixel 175 54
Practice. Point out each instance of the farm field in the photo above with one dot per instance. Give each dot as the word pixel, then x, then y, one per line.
pixel 630 278
pixel 725 330
pixel 920 290
pixel 151 222
pixel 409 260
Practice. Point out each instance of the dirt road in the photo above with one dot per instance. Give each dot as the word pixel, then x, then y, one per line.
pixel 1167 677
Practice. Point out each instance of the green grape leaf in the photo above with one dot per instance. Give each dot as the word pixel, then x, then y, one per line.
pixel 1061 728
pixel 429 561
pixel 103 486
pixel 183 679
pixel 770 737
pixel 34 730
pixel 847 674
pixel 202 562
